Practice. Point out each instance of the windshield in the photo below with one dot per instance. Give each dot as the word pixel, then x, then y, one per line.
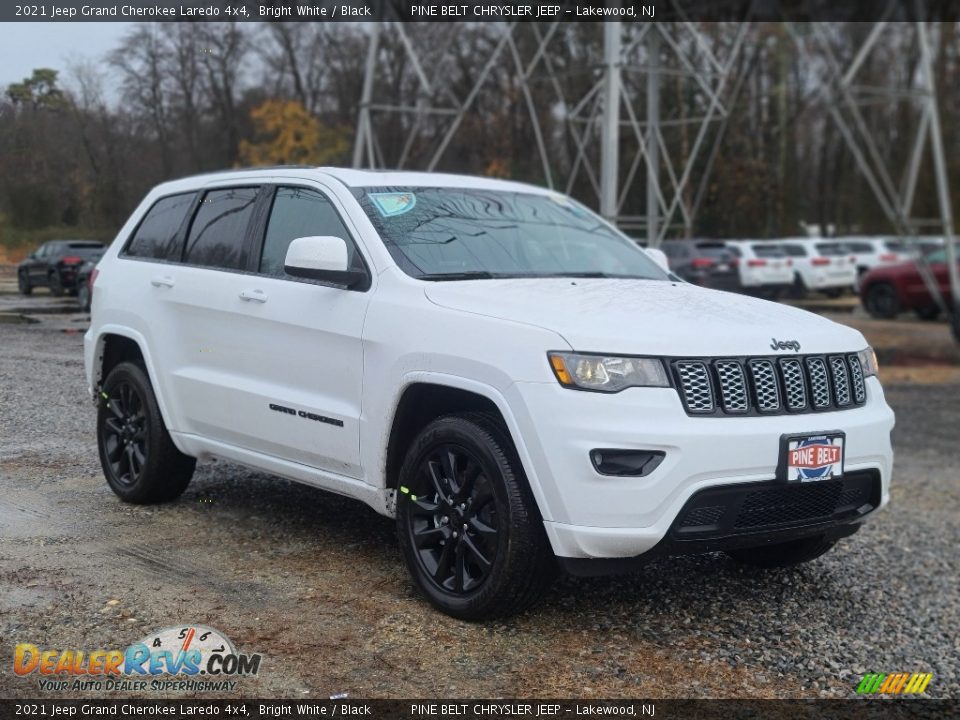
pixel 461 233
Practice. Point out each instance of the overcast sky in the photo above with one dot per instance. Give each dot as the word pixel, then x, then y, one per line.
pixel 25 46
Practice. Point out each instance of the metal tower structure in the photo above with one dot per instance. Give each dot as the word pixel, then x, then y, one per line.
pixel 617 113
pixel 615 124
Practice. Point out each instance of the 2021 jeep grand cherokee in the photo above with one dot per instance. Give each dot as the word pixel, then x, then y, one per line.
pixel 508 375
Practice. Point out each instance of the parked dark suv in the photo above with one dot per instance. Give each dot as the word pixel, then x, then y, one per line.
pixel 55 264
pixel 708 263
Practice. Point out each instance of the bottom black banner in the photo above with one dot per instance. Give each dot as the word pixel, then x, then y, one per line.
pixel 854 709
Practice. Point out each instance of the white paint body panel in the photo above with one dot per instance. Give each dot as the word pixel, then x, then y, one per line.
pixel 218 362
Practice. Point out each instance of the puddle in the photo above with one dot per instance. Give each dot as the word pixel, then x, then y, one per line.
pixel 16 319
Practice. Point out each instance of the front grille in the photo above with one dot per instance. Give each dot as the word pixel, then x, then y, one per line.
pixel 744 508
pixel 769 386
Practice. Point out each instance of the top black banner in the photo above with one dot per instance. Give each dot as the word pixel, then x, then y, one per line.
pixel 473 11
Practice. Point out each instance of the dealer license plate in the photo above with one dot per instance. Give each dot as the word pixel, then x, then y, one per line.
pixel 809 458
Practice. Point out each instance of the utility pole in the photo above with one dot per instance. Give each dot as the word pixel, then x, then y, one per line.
pixel 364 136
pixel 610 130
pixel 653 139
pixel 940 171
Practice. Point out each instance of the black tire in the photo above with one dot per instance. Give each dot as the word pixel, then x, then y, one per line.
pixel 785 554
pixel 833 292
pixel 139 460
pixel 53 282
pixel 23 283
pixel 83 297
pixel 468 525
pixel 799 288
pixel 881 301
pixel 931 312
pixel 955 324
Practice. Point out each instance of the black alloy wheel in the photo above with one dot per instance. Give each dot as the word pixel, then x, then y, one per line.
pixel 139 460
pixel 453 521
pixel 124 435
pixel 468 526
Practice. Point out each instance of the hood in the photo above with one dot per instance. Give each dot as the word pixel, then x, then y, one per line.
pixel 647 317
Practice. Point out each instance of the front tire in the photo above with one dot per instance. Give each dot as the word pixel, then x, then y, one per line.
pixel 23 284
pixel 469 528
pixel 881 301
pixel 784 554
pixel 139 460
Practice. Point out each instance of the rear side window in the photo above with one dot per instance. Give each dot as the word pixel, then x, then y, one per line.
pixel 832 249
pixel 734 250
pixel 296 213
pixel 156 236
pixel 859 247
pixel 795 250
pixel 219 228
pixel 896 246
pixel 769 251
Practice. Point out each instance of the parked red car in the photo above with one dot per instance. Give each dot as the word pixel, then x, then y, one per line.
pixel 887 291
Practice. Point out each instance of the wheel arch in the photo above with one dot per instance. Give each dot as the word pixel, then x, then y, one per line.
pixel 426 396
pixel 115 344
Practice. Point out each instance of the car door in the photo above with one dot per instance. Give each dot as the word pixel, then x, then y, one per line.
pixel 277 367
pixel 37 268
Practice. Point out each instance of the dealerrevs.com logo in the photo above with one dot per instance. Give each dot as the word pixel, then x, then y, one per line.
pixel 194 658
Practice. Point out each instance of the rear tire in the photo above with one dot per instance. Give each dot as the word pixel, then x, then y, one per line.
pixel 468 525
pixel 833 293
pixel 785 554
pixel 23 284
pixel 83 297
pixel 139 460
pixel 53 282
pixel 881 301
pixel 931 312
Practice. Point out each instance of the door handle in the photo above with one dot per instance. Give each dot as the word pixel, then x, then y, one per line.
pixel 254 295
pixel 163 281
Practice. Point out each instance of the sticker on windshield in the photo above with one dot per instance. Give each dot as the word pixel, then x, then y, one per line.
pixel 393 204
pixel 567 204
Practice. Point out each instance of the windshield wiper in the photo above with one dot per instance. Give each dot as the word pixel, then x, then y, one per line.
pixel 466 275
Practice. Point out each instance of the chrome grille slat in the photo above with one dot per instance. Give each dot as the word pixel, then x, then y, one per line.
pixel 695 384
pixel 841 383
pixel 732 386
pixel 765 385
pixel 820 384
pixel 856 374
pixel 770 385
pixel 794 383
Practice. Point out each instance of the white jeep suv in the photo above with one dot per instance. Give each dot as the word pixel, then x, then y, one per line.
pixel 490 363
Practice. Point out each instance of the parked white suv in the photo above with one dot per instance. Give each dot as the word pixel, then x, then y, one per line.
pixel 764 267
pixel 821 265
pixel 491 363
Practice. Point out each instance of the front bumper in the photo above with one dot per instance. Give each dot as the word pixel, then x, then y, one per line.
pixel 588 515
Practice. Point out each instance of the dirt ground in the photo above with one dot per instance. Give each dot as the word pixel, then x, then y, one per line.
pixel 314 582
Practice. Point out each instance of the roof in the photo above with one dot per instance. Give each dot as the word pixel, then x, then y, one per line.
pixel 357 178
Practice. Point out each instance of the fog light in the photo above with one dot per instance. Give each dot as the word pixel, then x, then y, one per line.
pixel 626 463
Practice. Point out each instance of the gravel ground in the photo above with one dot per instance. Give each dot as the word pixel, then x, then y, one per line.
pixel 315 582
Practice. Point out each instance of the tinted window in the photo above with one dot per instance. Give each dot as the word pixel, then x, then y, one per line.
pixel 795 250
pixel 713 250
pixel 218 229
pixel 769 251
pixel 734 250
pixel 860 247
pixel 296 213
pixel 832 249
pixel 897 246
pixel 157 234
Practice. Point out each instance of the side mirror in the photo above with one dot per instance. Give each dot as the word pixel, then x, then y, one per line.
pixel 659 257
pixel 322 257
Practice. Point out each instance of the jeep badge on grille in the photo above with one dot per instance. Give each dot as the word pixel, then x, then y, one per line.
pixel 785 345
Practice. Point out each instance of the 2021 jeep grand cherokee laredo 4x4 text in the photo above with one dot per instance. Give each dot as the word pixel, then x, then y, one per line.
pixel 513 379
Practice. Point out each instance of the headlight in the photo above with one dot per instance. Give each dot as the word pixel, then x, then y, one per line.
pixel 604 373
pixel 868 361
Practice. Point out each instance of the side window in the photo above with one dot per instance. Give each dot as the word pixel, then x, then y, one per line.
pixel 301 212
pixel 156 236
pixel 219 228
